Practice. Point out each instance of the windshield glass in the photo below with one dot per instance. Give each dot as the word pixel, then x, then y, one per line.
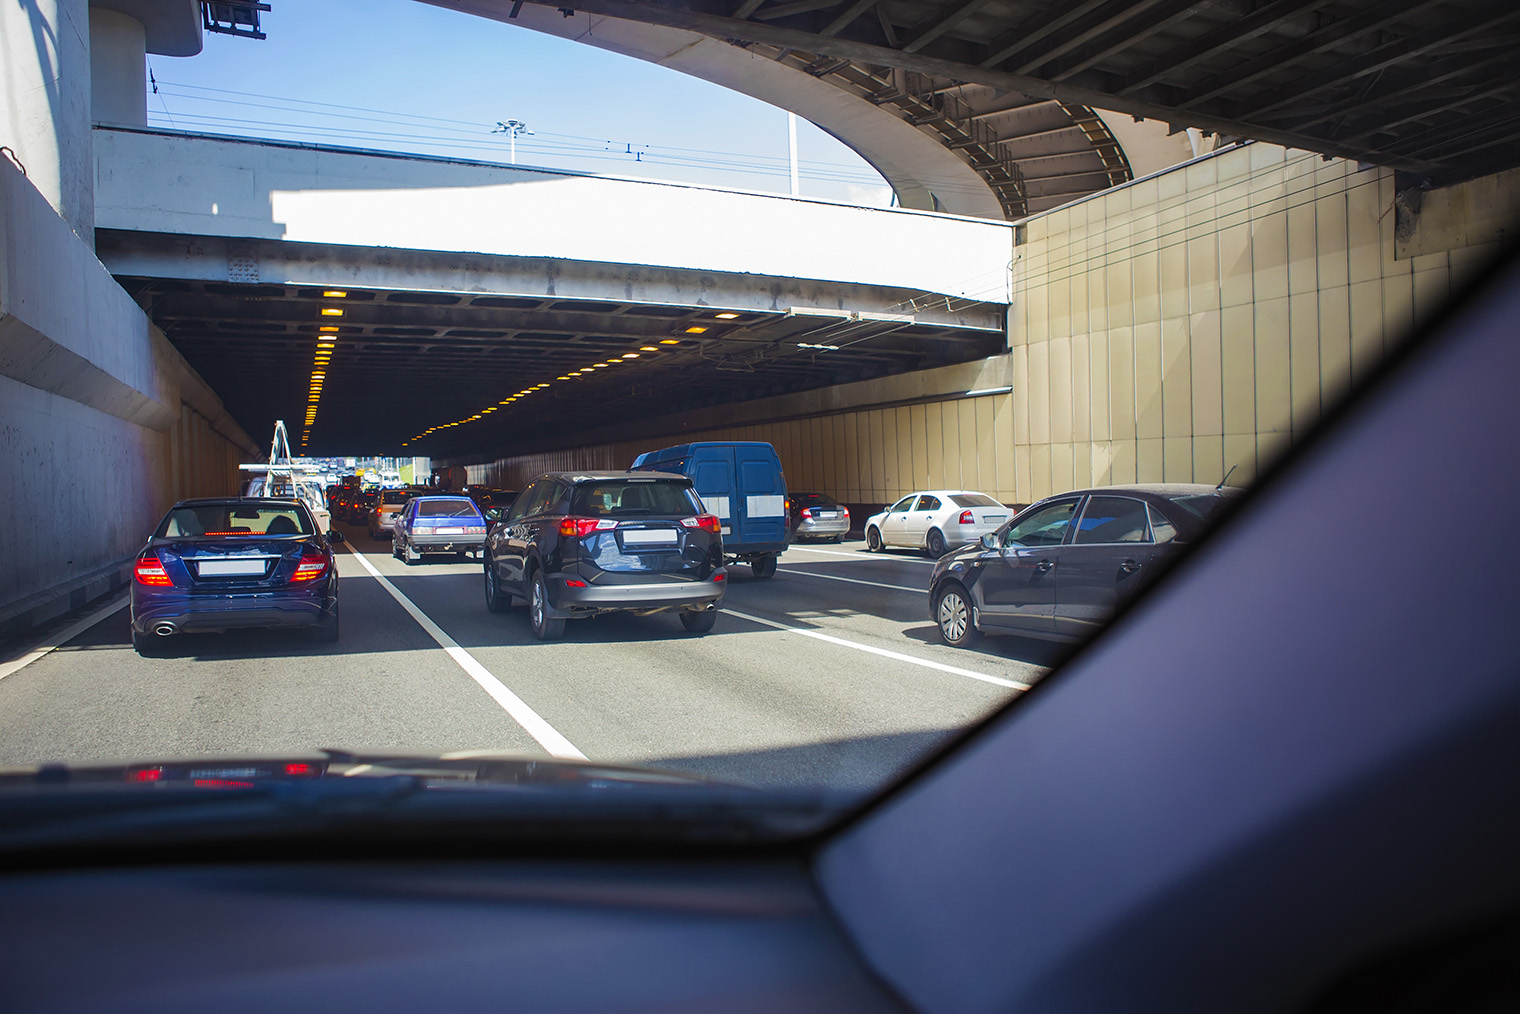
pixel 1016 370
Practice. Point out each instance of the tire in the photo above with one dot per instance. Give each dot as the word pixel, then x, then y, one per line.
pixel 838 539
pixel 952 615
pixel 763 567
pixel 147 645
pixel 699 622
pixel 544 627
pixel 410 556
pixel 496 600
pixel 934 545
pixel 396 548
pixel 873 540
pixel 327 634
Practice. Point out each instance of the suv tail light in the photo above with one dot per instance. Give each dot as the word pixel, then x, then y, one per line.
pixel 706 522
pixel 312 566
pixel 149 570
pixel 967 518
pixel 577 527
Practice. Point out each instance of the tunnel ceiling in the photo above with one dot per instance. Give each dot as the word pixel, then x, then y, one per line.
pixel 407 361
pixel 1420 86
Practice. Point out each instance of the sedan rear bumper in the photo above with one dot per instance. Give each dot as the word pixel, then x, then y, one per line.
pixel 210 613
pixel 567 601
pixel 822 528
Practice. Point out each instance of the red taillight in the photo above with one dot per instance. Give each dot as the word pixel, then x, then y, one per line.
pixel 149 570
pixel 299 768
pixel 719 576
pixel 572 583
pixel 706 522
pixel 146 775
pixel 577 527
pixel 221 783
pixel 312 566
pixel 968 518
pixel 807 513
pixel 845 511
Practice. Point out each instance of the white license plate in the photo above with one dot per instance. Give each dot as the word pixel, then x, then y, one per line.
pixel 994 519
pixel 448 531
pixel 229 568
pixel 648 536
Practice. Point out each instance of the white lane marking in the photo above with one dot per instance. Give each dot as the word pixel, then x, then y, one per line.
pixel 861 555
pixel 852 580
pixel 63 637
pixel 899 656
pixel 547 736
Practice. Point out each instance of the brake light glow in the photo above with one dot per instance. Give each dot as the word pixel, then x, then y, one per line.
pixel 706 522
pixel 572 583
pixel 719 576
pixel 578 527
pixel 299 768
pixel 221 783
pixel 312 566
pixel 967 518
pixel 807 513
pixel 149 570
pixel 146 775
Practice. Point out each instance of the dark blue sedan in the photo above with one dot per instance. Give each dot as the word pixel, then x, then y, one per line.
pixel 230 563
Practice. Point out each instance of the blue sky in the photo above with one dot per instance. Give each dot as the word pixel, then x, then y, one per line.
pixel 400 75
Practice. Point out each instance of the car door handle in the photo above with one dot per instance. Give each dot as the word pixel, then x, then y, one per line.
pixel 1129 566
pixel 1043 567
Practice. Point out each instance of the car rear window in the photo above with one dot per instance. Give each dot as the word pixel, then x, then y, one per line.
pixel 973 500
pixel 447 509
pixel 620 496
pixel 1204 505
pixel 816 500
pixel 395 496
pixel 233 520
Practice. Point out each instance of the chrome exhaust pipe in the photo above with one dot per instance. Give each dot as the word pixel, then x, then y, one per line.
pixel 164 629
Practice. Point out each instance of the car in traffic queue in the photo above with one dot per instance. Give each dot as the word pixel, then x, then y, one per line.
pixel 430 525
pixel 575 545
pixel 1062 567
pixel 382 516
pixel 225 563
pixel 935 521
pixel 818 516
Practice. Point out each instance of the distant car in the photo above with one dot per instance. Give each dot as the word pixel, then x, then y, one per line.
pixel 578 544
pixel 438 524
pixel 225 563
pixel 357 505
pixel 382 516
pixel 1061 568
pixel 817 516
pixel 935 521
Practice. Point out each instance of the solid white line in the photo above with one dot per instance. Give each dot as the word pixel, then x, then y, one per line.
pixel 64 636
pixel 851 580
pixel 878 557
pixel 547 736
pixel 899 656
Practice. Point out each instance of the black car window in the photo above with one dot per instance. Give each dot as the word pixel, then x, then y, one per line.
pixel 621 496
pixel 449 508
pixel 1045 527
pixel 395 496
pixel 1110 519
pixel 234 519
pixel 1204 505
pixel 927 503
pixel 1162 530
pixel 540 497
pixel 519 506
pixel 816 500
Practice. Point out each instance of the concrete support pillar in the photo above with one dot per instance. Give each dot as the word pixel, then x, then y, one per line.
pixel 118 55
pixel 45 103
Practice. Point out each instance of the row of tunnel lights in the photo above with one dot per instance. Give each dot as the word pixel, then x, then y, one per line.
pixel 584 371
pixel 327 341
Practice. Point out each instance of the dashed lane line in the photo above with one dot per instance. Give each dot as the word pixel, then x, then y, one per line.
pixel 876 557
pixel 899 656
pixel 851 580
pixel 545 734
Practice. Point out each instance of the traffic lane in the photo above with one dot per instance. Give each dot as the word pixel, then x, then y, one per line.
pixel 384 685
pixel 745 702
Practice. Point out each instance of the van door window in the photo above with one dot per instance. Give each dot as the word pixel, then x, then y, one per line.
pixel 714 480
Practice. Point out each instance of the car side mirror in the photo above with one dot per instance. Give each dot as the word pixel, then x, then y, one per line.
pixel 335 536
pixel 494 514
pixel 989 541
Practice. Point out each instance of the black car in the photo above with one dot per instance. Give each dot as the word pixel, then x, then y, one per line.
pixel 578 544
pixel 1060 568
pixel 225 563
pixel 818 516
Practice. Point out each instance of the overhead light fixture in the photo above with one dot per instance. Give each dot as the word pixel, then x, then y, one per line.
pixel 630 355
pixel 331 311
pixel 327 345
pixel 726 316
pixel 613 362
pixel 330 328
pixel 541 386
pixel 670 341
pixel 695 329
pixel 334 294
pixel 648 348
pixel 820 348
pixel 563 378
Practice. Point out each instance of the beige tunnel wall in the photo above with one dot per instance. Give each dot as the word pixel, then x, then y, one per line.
pixel 1165 331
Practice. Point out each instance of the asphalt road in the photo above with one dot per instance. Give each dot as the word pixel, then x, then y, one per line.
pixel 829 674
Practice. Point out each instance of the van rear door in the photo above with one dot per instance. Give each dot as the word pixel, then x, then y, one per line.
pixel 712 473
pixel 761 506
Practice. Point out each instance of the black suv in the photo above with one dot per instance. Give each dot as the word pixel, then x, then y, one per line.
pixel 575 544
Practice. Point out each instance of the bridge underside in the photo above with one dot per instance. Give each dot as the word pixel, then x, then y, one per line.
pixel 428 354
pixel 1424 88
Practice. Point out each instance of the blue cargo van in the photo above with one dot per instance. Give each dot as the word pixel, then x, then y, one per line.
pixel 741 482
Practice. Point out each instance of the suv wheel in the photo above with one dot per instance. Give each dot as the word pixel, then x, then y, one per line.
pixel 544 627
pixel 496 600
pixel 952 614
pixel 699 622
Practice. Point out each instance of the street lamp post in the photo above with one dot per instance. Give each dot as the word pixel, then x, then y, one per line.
pixel 512 128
